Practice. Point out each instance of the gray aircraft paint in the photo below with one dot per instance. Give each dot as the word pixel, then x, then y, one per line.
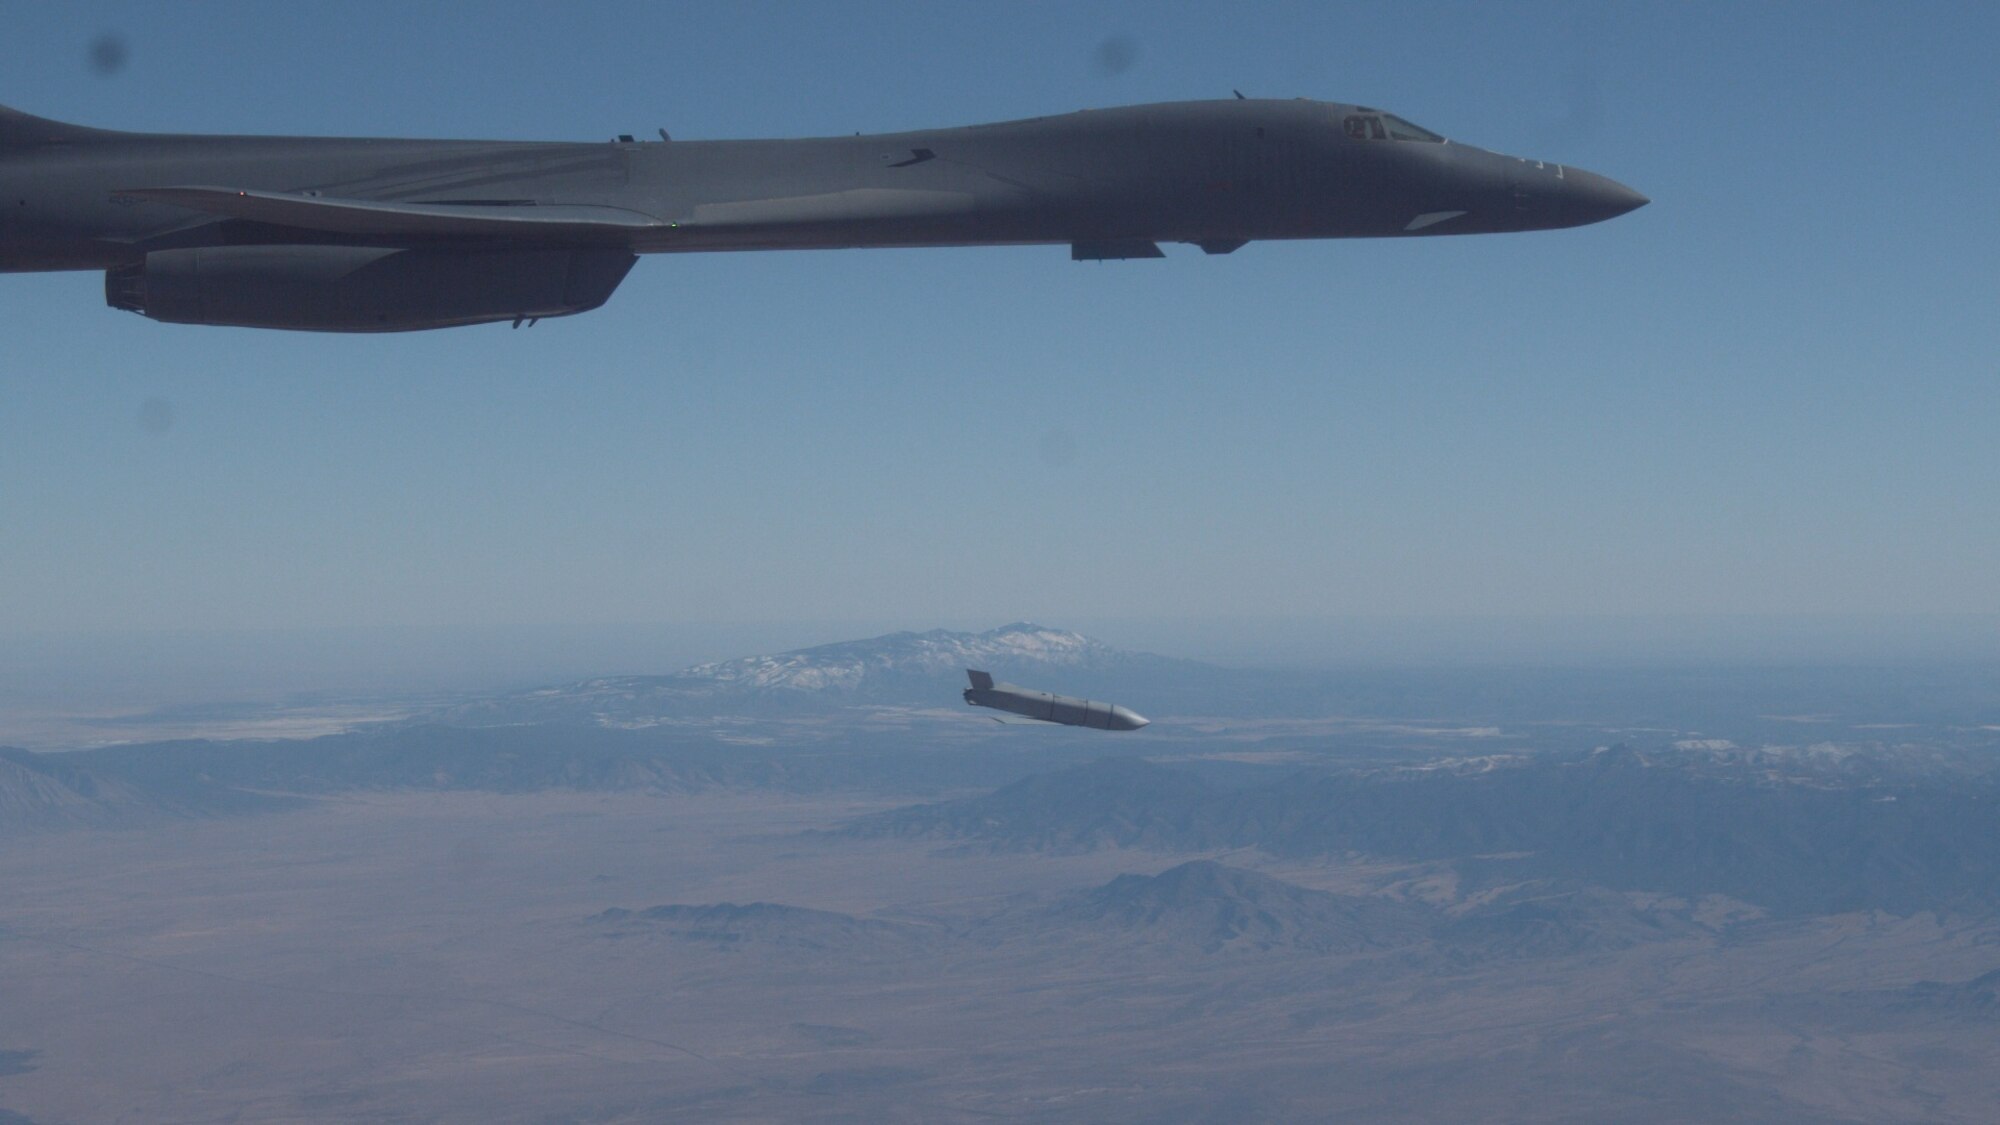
pixel 1042 707
pixel 263 231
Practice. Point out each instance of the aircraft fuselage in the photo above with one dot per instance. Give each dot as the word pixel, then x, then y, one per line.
pixel 1110 183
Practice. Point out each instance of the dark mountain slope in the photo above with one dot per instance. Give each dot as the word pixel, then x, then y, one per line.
pixel 44 791
pixel 1615 818
pixel 1212 907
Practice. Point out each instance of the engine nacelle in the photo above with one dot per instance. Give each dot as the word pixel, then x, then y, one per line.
pixel 363 288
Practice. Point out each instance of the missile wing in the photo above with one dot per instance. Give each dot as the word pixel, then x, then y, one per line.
pixel 1043 707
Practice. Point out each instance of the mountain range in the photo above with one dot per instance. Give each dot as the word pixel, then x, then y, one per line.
pixel 1794 830
pixel 45 791
pixel 1200 907
pixel 1213 907
pixel 898 669
pixel 1793 834
pixel 1680 825
pixel 926 671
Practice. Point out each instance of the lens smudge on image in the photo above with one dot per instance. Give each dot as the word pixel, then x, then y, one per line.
pixel 1115 55
pixel 108 54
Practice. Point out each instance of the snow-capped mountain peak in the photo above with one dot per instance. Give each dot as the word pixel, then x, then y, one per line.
pixel 897 668
pixel 849 665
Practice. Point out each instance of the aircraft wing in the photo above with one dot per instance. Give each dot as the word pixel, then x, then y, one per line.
pixel 368 217
pixel 851 205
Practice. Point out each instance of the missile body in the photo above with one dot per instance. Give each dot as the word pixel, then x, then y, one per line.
pixel 1040 706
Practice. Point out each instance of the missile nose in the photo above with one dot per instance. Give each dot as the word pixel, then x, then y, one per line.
pixel 1591 198
pixel 1124 718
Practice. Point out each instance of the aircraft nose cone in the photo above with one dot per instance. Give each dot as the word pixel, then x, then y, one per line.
pixel 1591 198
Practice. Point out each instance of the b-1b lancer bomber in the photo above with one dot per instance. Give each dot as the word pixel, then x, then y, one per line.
pixel 336 235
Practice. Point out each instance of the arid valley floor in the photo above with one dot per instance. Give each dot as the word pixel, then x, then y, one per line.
pixel 448 957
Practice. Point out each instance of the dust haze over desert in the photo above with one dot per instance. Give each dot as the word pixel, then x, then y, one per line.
pixel 1569 655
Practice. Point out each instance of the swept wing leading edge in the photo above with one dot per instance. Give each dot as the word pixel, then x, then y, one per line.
pixel 366 216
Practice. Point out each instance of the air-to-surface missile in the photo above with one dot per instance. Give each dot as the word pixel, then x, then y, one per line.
pixel 1041 707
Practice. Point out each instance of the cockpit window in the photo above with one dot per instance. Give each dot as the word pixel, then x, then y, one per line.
pixel 1385 126
pixel 1402 130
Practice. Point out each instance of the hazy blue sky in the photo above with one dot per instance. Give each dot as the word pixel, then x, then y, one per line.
pixel 1771 392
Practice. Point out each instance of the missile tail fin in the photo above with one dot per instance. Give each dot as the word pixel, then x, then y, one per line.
pixel 983 681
